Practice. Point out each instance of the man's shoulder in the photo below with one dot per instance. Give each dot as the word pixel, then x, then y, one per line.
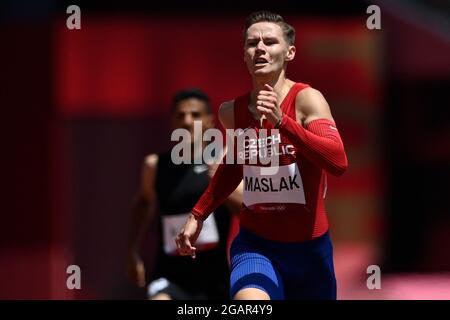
pixel 309 97
pixel 226 106
pixel 151 160
pixel 311 104
pixel 308 93
pixel 226 113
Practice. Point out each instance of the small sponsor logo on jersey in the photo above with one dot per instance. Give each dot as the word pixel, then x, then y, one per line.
pixel 240 131
pixel 157 285
pixel 201 168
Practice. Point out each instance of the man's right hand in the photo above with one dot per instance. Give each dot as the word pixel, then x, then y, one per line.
pixel 188 235
pixel 136 269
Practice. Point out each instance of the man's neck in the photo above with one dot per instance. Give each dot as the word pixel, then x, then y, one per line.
pixel 278 82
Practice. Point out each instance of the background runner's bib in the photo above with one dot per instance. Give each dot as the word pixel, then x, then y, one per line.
pixel 208 238
pixel 286 186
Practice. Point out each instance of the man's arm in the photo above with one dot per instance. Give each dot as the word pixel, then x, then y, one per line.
pixel 226 114
pixel 234 200
pixel 143 211
pixel 315 132
pixel 311 105
pixel 226 118
pixel 223 184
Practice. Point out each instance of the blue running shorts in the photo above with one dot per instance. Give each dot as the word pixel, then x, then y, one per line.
pixel 284 270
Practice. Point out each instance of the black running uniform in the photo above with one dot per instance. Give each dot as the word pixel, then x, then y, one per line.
pixel 178 187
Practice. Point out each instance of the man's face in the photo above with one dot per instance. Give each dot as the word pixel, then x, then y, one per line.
pixel 265 49
pixel 190 110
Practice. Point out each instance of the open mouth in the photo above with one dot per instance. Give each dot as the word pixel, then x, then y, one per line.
pixel 260 61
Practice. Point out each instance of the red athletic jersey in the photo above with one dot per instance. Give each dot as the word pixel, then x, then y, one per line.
pixel 283 171
pixel 288 206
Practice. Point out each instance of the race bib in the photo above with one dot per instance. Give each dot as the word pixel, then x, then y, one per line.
pixel 208 238
pixel 285 186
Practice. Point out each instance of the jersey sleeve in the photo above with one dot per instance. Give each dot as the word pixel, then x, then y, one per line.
pixel 320 142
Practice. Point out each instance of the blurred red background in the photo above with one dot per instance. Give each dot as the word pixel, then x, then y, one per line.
pixel 91 103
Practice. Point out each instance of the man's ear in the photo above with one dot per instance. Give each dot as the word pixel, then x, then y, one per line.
pixel 290 55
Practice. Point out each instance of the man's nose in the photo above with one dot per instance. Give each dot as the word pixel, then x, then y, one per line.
pixel 188 120
pixel 260 46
